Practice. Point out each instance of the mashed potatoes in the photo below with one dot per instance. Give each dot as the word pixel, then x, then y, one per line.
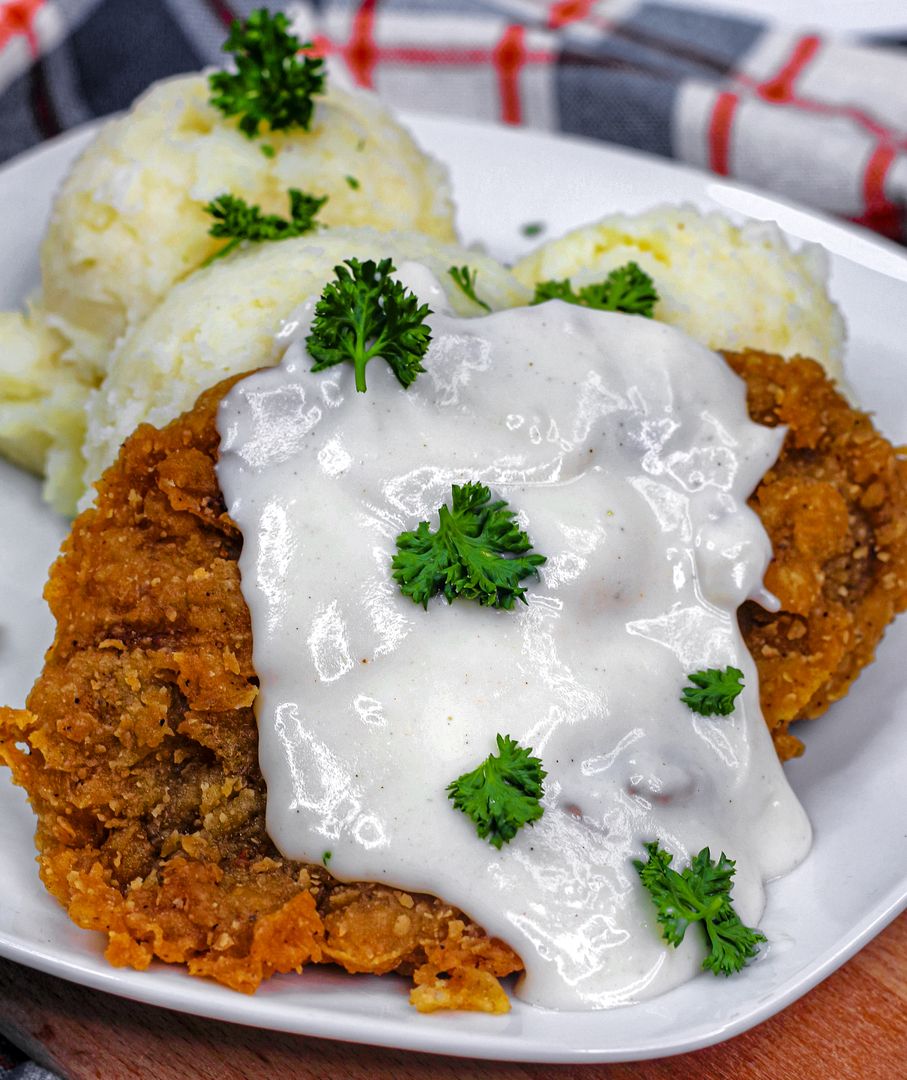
pixel 222 320
pixel 129 221
pixel 729 287
pixel 42 404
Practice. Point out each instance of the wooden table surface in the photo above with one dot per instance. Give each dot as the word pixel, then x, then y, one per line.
pixel 851 1027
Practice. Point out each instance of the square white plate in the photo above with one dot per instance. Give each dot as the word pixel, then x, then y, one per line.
pixel 851 780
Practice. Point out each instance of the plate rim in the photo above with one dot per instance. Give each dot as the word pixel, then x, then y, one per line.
pixel 161 994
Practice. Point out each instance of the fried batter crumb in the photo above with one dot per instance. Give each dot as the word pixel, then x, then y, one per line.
pixel 139 750
pixel 835 509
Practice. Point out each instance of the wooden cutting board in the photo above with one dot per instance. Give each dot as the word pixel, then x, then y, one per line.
pixel 851 1027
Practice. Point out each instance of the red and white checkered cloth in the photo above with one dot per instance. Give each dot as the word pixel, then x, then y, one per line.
pixel 817 120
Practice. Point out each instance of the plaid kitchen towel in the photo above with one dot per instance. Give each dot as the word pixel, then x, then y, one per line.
pixel 822 121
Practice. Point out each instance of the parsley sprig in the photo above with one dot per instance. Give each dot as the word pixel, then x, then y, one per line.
pixel 628 289
pixel 466 280
pixel 714 691
pixel 271 84
pixel 364 313
pixel 701 893
pixel 477 552
pixel 237 220
pixel 502 794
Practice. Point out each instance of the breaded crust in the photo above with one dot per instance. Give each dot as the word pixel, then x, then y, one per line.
pixel 835 508
pixel 140 744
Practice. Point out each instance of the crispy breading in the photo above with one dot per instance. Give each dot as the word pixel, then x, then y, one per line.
pixel 138 747
pixel 835 508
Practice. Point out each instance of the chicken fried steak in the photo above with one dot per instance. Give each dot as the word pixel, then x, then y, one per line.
pixel 138 747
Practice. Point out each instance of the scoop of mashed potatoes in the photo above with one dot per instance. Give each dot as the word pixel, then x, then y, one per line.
pixel 223 319
pixel 42 404
pixel 129 221
pixel 729 287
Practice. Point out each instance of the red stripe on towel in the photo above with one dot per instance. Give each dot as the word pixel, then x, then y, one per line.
pixel 720 132
pixel 508 58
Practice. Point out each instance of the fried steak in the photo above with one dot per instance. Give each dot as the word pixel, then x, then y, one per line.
pixel 138 747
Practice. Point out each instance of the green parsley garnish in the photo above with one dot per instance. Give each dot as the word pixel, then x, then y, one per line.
pixel 466 279
pixel 532 228
pixel 236 220
pixel 699 893
pixel 468 554
pixel 352 183
pixel 713 692
pixel 326 857
pixel 628 289
pixel 271 84
pixel 502 794
pixel 365 313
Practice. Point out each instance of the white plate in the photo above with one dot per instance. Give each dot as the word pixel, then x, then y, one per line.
pixel 851 779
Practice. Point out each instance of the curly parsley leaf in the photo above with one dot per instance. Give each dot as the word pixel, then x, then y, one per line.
pixel 478 552
pixel 237 220
pixel 502 794
pixel 628 289
pixel 714 691
pixel 272 85
pixel 466 280
pixel 701 893
pixel 364 313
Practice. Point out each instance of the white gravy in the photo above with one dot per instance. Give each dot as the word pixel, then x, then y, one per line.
pixel 627 452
